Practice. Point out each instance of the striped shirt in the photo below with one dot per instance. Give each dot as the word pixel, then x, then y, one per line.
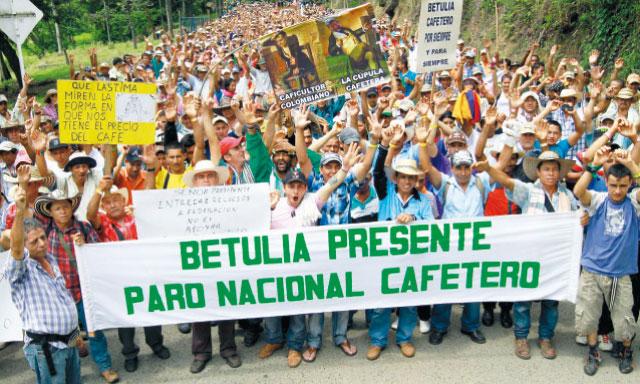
pixel 44 303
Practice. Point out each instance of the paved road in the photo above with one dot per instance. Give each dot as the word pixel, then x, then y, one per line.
pixel 457 360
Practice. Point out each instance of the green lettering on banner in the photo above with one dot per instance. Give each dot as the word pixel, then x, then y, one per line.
pixel 530 268
pixel 334 288
pixel 227 294
pixel 299 281
pixel 409 283
pixel 246 254
pixel 198 288
pixel 486 274
pixel 286 253
pixel 461 228
pixel 262 299
pixel 280 289
pixel 349 284
pixel 246 293
pixel 396 240
pixel 470 267
pixel 385 289
pixel 416 240
pixel 301 252
pixel 358 239
pixel 448 275
pixel 189 255
pixel 509 270
pixel 477 236
pixel 426 276
pixel 440 238
pixel 337 239
pixel 155 301
pixel 376 241
pixel 267 254
pixel 231 249
pixel 174 293
pixel 314 286
pixel 132 296
pixel 208 254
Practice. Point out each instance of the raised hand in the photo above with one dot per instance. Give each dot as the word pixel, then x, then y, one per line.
pixel 554 50
pixel 387 135
pixel 625 128
pixel 595 89
pixel 24 175
pixel 542 130
pixel 274 197
pixel 352 157
pixel 21 199
pixel 38 140
pixel 105 184
pixel 602 155
pixel 596 72
pixel 376 128
pixel 619 63
pixel 481 166
pixel 398 133
pixel 301 119
pixel 593 57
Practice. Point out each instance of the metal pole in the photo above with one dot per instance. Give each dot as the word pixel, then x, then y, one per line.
pixel 19 52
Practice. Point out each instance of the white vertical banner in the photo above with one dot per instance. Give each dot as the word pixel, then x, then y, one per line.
pixel 438 32
pixel 10 323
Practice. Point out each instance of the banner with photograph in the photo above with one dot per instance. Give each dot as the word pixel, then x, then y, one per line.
pixel 321 59
pixel 330 268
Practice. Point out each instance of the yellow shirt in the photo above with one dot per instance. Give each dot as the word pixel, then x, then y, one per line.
pixel 172 181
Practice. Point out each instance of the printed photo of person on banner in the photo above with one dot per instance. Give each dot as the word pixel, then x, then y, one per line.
pixel 324 58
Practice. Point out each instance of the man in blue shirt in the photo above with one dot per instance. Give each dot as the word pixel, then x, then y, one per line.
pixel 462 195
pixel 609 258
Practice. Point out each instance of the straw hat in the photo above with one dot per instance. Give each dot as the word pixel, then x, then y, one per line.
pixel 206 166
pixel 531 164
pixel 42 204
pixel 407 167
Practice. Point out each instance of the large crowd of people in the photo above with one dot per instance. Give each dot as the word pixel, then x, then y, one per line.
pixel 490 136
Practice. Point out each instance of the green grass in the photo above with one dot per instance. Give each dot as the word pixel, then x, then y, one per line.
pixel 52 66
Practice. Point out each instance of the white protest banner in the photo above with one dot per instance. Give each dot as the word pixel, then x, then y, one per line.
pixel 10 323
pixel 195 211
pixel 332 268
pixel 438 31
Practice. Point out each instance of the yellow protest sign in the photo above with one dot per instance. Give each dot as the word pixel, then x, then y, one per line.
pixel 97 112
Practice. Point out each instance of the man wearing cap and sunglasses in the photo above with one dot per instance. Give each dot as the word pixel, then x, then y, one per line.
pixel 547 194
pixel 301 209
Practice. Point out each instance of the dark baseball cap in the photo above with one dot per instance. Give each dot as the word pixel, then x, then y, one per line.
pixel 295 176
pixel 133 155
pixel 56 144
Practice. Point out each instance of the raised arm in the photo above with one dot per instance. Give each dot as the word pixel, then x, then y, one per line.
pixel 301 121
pixel 496 175
pixel 104 188
pixel 17 231
pixel 348 161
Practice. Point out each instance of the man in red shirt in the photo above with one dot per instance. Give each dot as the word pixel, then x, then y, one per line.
pixel 116 224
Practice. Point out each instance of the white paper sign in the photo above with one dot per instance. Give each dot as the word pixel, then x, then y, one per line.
pixel 202 211
pixel 135 107
pixel 10 323
pixel 438 31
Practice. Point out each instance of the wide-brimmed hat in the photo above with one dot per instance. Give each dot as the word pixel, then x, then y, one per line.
pixel 528 94
pixel 206 166
pixel 124 192
pixel 283 145
pixel 12 124
pixel 568 92
pixel 625 94
pixel 42 204
pixel 633 78
pixel 531 164
pixel 79 158
pixel 407 167
pixel 51 92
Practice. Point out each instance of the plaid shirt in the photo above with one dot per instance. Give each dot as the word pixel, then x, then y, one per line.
pixel 336 209
pixel 44 303
pixel 127 228
pixel 67 263
pixel 530 198
pixel 568 127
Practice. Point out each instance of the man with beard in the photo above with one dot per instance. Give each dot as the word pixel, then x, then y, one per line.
pixel 344 41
